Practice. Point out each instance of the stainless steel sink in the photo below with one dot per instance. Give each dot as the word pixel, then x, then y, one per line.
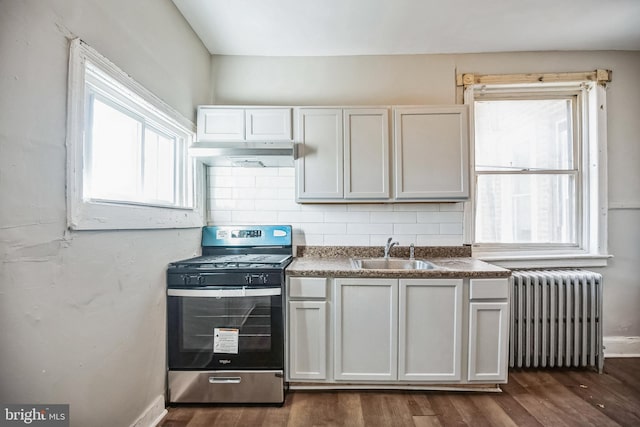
pixel 392 264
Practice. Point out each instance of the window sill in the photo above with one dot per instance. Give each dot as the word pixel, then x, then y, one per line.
pixel 544 261
pixel 104 216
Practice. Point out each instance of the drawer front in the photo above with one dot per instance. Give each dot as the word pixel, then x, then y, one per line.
pixel 489 289
pixel 308 287
pixel 226 386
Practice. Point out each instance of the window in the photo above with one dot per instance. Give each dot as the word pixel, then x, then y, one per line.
pixel 538 175
pixel 129 166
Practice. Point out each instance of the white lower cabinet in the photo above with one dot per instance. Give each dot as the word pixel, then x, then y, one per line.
pixel 397 331
pixel 407 330
pixel 430 330
pixel 366 319
pixel 488 323
pixel 488 330
pixel 308 339
pixel 307 326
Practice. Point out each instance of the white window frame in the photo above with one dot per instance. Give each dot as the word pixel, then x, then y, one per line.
pixel 84 213
pixel 592 172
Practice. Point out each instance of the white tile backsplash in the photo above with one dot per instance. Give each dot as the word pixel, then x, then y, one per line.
pixel 451 228
pixel 346 240
pixel 254 217
pixel 416 229
pixel 418 207
pixel 386 229
pixel 347 217
pixel 299 216
pixel 440 217
pixel 267 196
pixel 439 240
pixel 323 228
pixel 394 217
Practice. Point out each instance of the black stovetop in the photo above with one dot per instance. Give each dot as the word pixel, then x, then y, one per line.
pixel 235 261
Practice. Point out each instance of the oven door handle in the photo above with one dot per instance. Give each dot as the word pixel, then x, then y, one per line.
pixel 224 293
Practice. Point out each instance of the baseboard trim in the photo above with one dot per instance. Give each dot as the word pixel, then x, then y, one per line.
pixel 156 422
pixel 621 346
pixel 154 413
pixel 493 388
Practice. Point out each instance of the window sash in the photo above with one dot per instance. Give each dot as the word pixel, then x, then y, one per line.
pixel 98 86
pixel 575 93
pixel 174 188
pixel 90 71
pixel 571 211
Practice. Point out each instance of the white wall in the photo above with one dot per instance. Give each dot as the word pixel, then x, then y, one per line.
pixel 82 314
pixel 266 196
pixel 430 79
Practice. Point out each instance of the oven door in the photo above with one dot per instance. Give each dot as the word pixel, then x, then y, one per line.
pixel 218 328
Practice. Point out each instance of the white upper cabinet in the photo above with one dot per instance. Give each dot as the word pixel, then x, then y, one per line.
pixel 220 124
pixel 268 124
pixel 343 154
pixel 366 153
pixel 319 166
pixel 431 153
pixel 228 124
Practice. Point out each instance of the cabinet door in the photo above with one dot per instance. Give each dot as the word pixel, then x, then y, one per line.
pixel 431 153
pixel 268 124
pixel 366 329
pixel 430 330
pixel 307 340
pixel 220 124
pixel 366 153
pixel 319 166
pixel 488 338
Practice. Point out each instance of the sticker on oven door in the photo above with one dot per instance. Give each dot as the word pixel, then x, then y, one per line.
pixel 225 340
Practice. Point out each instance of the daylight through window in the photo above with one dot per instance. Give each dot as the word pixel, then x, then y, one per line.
pixel 128 160
pixel 526 169
pixel 539 187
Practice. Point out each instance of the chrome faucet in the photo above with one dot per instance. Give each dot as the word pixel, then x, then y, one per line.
pixel 388 247
pixel 412 252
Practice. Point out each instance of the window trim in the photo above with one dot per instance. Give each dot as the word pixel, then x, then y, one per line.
pixel 593 200
pixel 96 214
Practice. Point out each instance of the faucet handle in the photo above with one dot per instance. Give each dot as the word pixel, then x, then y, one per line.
pixel 412 251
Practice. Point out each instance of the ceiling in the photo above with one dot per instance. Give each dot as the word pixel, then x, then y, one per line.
pixel 379 27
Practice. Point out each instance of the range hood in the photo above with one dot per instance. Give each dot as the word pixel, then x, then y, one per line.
pixel 244 154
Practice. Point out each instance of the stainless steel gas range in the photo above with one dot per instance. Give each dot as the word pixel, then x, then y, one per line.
pixel 225 317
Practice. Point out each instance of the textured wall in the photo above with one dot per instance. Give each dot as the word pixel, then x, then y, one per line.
pixel 83 313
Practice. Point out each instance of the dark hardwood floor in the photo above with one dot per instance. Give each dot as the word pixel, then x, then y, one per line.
pixel 531 398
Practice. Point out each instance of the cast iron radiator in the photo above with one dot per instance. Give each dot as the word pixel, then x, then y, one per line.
pixel 556 319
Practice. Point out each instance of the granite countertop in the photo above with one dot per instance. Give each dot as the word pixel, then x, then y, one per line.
pixel 336 262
